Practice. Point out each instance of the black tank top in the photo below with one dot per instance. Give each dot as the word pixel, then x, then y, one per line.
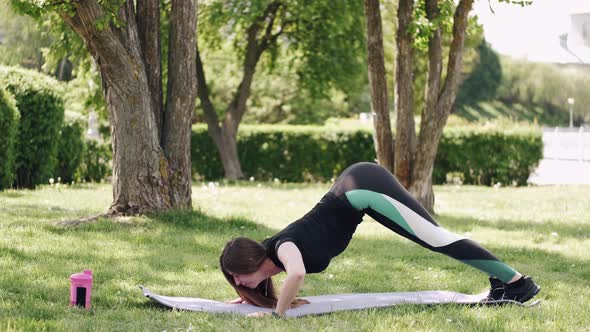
pixel 321 234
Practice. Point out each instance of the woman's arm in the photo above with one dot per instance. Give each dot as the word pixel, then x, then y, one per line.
pixel 290 256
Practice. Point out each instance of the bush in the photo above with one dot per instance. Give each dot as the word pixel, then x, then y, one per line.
pixel 39 102
pixel 489 155
pixel 70 150
pixel 307 153
pixel 95 163
pixel 8 127
pixel 290 153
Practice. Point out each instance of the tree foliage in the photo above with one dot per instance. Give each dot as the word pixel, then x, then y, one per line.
pixel 484 79
pixel 423 28
pixel 321 44
pixel 22 41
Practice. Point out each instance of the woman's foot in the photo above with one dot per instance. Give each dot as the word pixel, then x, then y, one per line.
pixel 521 290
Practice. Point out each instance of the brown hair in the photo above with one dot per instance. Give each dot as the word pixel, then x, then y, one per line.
pixel 244 256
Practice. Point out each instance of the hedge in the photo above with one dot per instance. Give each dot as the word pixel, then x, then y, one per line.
pixel 8 129
pixel 290 153
pixel 70 150
pixel 39 102
pixel 308 153
pixel 489 155
pixel 95 163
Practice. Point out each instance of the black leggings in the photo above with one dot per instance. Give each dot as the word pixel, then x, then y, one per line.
pixel 372 189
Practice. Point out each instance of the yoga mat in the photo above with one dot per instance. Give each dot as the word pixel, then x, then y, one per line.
pixel 324 303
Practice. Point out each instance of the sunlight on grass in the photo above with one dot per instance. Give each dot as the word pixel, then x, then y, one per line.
pixel 542 231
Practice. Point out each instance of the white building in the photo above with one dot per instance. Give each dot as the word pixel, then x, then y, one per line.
pixel 576 42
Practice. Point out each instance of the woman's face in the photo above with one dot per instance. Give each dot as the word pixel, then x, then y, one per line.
pixel 248 280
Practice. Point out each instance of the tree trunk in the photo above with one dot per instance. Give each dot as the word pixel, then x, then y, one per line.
pixel 224 139
pixel 180 100
pixel 146 176
pixel 228 152
pixel 379 105
pixel 438 101
pixel 405 139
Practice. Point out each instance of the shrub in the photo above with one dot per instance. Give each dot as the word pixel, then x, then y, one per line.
pixel 307 153
pixel 8 127
pixel 489 155
pixel 39 102
pixel 95 163
pixel 290 153
pixel 70 150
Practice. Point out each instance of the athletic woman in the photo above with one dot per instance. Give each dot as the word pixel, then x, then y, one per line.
pixel 308 244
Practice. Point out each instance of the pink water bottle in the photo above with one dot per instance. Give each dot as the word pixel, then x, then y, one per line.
pixel 80 289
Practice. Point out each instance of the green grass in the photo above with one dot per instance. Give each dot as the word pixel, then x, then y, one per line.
pixel 541 231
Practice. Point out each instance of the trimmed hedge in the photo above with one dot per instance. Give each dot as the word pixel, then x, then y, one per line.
pixel 290 153
pixel 307 153
pixel 70 150
pixel 8 129
pixel 489 155
pixel 39 102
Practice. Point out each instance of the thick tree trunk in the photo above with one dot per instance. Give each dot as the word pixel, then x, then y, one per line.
pixel 146 177
pixel 379 105
pixel 405 139
pixel 439 101
pixel 138 161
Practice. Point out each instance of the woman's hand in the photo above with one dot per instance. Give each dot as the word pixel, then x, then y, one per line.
pixel 239 300
pixel 259 314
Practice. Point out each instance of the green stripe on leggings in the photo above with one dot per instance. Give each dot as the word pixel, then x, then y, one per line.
pixel 494 268
pixel 361 199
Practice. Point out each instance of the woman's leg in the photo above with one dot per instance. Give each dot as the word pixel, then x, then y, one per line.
pixel 374 190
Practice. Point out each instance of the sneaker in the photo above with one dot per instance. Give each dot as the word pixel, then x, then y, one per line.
pixel 521 290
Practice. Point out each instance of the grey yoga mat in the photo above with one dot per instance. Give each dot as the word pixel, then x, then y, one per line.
pixel 321 304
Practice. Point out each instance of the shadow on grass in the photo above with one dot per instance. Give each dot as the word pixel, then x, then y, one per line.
pixel 34 211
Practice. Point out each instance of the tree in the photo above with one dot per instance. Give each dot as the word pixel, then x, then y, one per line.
pixel 484 80
pixel 325 37
pixel 414 157
pixel 379 103
pixel 150 135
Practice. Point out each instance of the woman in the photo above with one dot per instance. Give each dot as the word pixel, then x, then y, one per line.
pixel 308 244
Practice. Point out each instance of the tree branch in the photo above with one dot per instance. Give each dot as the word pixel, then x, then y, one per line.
pixel 203 92
pixel 105 45
pixel 449 90
pixel 434 53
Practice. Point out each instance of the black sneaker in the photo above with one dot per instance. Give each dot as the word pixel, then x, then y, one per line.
pixel 521 290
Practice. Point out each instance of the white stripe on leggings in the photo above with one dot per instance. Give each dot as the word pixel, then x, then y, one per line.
pixel 424 229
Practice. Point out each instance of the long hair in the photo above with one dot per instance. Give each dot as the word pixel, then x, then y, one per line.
pixel 244 256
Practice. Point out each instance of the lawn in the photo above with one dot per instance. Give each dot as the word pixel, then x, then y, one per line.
pixel 541 231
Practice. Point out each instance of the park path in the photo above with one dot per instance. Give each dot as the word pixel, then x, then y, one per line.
pixel 566 157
